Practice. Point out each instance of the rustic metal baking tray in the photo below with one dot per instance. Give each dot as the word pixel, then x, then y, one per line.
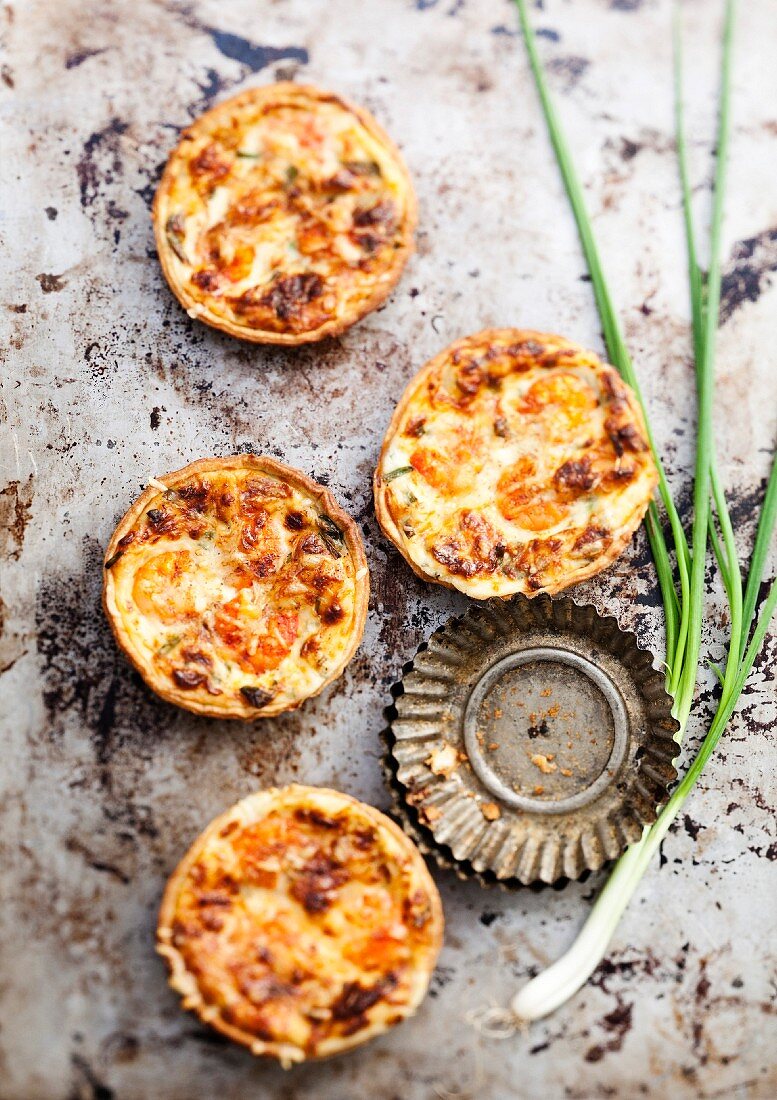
pixel 529 742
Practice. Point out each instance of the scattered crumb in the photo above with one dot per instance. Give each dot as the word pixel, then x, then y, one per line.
pixel 566 771
pixel 545 693
pixel 544 763
pixel 553 711
pixel 490 811
pixel 494 746
pixel 498 712
pixel 539 790
pixel 443 761
pixel 431 813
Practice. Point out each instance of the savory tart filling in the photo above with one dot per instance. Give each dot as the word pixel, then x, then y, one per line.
pixel 514 462
pixel 284 215
pixel 301 923
pixel 237 587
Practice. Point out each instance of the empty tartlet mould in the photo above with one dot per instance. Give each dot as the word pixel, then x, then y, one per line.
pixel 529 742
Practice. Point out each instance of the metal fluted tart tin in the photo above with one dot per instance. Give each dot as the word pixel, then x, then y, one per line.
pixel 529 742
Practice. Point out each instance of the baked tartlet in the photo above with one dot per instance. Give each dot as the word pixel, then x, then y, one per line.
pixel 301 923
pixel 284 215
pixel 237 587
pixel 514 462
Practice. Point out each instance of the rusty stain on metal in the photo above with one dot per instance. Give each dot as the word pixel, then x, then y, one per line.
pixel 105 381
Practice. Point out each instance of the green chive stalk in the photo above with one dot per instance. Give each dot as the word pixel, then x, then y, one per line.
pixel 675 609
pixel 705 306
pixel 684 613
pixel 766 525
pixel 705 383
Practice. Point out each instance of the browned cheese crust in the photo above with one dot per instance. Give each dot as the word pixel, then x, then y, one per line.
pixel 237 587
pixel 284 215
pixel 301 923
pixel 515 462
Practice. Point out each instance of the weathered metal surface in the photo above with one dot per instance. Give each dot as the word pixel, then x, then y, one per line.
pixel 106 380
pixel 530 741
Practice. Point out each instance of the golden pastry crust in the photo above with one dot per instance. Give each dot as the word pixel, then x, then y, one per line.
pixel 514 462
pixel 237 587
pixel 301 923
pixel 284 215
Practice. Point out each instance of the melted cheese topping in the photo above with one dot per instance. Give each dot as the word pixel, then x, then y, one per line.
pixel 516 462
pixel 236 591
pixel 282 211
pixel 304 921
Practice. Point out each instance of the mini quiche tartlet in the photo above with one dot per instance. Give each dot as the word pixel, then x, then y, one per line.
pixel 284 215
pixel 301 923
pixel 237 587
pixel 514 462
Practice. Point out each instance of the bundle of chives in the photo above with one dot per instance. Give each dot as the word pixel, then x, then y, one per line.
pixel 684 610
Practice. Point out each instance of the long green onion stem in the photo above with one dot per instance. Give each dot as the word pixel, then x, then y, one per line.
pixel 766 525
pixel 705 384
pixel 684 614
pixel 676 613
pixel 702 329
